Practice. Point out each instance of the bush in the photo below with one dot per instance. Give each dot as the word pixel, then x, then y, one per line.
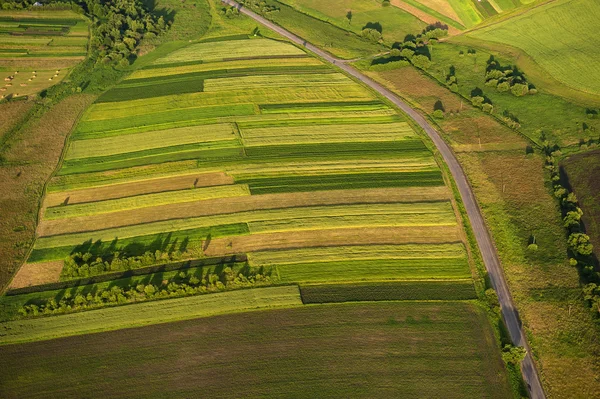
pixel 438 114
pixel 372 35
pixel 421 61
pixel 580 244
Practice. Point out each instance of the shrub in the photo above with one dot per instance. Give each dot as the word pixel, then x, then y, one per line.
pixel 372 35
pixel 438 114
pixel 580 244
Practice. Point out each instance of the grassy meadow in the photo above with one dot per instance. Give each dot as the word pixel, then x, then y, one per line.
pixel 38 48
pixel 559 37
pixel 400 349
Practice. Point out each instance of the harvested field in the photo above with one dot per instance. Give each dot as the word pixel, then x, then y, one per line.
pixel 137 188
pixel 333 237
pixel 349 350
pixel 37 273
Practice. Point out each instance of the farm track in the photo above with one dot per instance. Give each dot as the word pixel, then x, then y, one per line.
pixel 486 246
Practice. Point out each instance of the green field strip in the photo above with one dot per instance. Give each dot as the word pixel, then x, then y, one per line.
pixel 282 108
pixel 150 140
pixel 169 70
pixel 274 214
pixel 215 51
pixel 184 102
pixel 389 291
pixel 342 181
pixel 466 11
pixel 25 41
pixel 146 200
pixel 226 151
pixel 336 222
pixel 131 244
pixel 223 72
pixel 334 149
pixel 441 17
pixel 551 34
pixel 44 21
pixel 154 90
pixel 145 313
pixel 169 118
pixel 375 270
pixel 265 81
pixel 357 252
pixel 485 8
pixel 339 133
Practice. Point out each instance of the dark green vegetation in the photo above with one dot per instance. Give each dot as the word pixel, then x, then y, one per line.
pixel 387 349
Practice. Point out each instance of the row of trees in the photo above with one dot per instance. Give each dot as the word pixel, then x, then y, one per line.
pixel 580 248
pixel 415 49
pixel 507 78
pixel 81 265
pixel 183 284
pixel 259 6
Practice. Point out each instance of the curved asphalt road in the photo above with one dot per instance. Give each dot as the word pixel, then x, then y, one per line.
pixel 486 246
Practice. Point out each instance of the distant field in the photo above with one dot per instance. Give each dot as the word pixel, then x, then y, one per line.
pixel 396 23
pixel 36 49
pixel 367 350
pixel 559 36
pixel 583 174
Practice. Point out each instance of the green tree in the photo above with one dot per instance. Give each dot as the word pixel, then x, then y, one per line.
pixel 580 244
pixel 513 354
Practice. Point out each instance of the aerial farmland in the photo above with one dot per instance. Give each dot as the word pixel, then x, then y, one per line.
pixel 204 189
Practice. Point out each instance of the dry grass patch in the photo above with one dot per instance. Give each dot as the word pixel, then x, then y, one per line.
pixel 422 15
pixel 137 188
pixel 241 204
pixel 37 273
pixel 33 155
pixel 12 113
pixel 462 124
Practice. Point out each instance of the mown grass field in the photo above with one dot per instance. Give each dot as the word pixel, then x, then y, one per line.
pixel 387 349
pixel 559 37
pixel 36 49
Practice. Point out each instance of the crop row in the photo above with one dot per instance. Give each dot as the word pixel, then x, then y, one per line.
pixel 357 252
pixel 203 152
pixel 389 291
pixel 427 211
pixel 149 140
pixel 137 245
pixel 342 181
pixel 326 133
pixel 216 51
pixel 144 201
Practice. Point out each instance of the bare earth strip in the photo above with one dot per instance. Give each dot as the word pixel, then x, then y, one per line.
pixel 37 273
pixel 239 204
pixel 443 7
pixel 138 188
pixel 333 237
pixel 422 15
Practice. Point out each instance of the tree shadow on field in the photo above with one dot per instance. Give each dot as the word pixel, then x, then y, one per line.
pixel 374 25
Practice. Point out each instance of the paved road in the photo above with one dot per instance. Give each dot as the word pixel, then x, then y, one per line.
pixel 486 246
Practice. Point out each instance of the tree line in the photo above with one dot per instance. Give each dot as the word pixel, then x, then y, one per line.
pixel 182 284
pixel 507 78
pixel 579 245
